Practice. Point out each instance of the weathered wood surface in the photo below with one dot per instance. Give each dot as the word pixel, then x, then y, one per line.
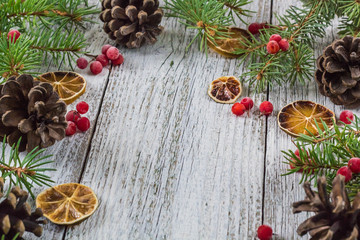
pixel 166 161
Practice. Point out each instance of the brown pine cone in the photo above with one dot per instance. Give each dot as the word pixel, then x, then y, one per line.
pixel 338 73
pixel 336 218
pixel 132 23
pixel 31 110
pixel 16 216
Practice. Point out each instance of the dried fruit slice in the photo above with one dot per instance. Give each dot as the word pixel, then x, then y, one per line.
pixel 227 46
pixel 67 203
pixel 298 116
pixel 69 85
pixel 225 89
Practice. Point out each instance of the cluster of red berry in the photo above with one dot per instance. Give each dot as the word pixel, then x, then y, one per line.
pixel 276 42
pixel 13 35
pixel 246 104
pixel 264 232
pixel 75 120
pixel 108 53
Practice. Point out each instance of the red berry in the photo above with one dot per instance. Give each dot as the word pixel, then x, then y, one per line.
pixel 273 47
pixel 266 108
pixel 275 37
pixel 264 232
pixel 83 124
pixel 72 116
pixel 82 63
pixel 119 60
pixel 238 109
pixel 345 171
pixel 354 165
pixel 112 53
pixel 297 152
pixel 70 129
pixel 82 107
pixel 247 102
pixel 284 45
pixel 13 35
pixel 346 116
pixel 103 60
pixel 96 67
pixel 105 48
pixel 265 25
pixel 254 28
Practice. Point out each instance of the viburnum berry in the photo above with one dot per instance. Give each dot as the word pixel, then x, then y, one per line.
pixel 346 116
pixel 103 60
pixel 72 116
pixel 119 60
pixel 354 165
pixel 247 102
pixel 284 45
pixel 105 48
pixel 254 28
pixel 70 129
pixel 96 67
pixel 275 37
pixel 13 35
pixel 264 232
pixel 238 109
pixel 82 107
pixel 83 124
pixel 345 171
pixel 112 53
pixel 273 47
pixel 266 108
pixel 297 152
pixel 82 63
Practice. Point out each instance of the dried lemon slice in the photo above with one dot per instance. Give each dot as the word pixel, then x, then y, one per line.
pixel 225 89
pixel 67 203
pixel 227 46
pixel 69 85
pixel 298 116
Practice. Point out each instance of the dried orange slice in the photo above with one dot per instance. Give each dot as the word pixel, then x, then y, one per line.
pixel 67 203
pixel 227 46
pixel 225 89
pixel 69 85
pixel 298 116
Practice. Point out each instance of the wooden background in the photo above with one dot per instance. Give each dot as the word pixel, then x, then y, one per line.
pixel 166 161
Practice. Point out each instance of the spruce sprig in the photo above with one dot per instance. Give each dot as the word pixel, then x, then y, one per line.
pixel 27 171
pixel 47 28
pixel 325 154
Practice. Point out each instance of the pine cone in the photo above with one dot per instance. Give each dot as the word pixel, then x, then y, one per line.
pixel 132 23
pixel 338 73
pixel 16 216
pixel 335 218
pixel 31 110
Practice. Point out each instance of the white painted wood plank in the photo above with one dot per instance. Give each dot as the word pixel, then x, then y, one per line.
pixel 281 191
pixel 69 154
pixel 167 162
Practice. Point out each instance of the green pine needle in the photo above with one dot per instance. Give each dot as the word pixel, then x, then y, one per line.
pixel 24 172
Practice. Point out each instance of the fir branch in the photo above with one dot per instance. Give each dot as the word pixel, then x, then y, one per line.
pixel 326 154
pixel 24 172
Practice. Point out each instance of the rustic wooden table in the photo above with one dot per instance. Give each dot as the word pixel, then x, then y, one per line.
pixel 165 160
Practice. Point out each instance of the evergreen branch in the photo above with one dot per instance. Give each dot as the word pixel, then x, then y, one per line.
pixel 19 171
pixel 326 154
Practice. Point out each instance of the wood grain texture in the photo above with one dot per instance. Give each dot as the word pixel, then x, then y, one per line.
pixel 166 161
